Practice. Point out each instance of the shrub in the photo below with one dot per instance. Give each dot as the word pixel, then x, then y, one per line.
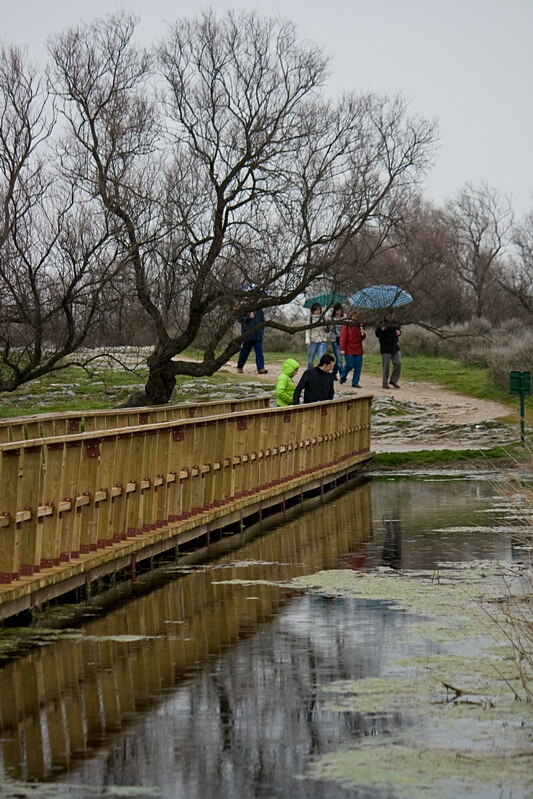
pixel 498 348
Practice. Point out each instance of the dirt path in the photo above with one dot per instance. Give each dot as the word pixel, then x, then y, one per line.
pixel 422 415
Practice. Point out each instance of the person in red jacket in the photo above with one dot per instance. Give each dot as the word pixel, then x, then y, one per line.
pixel 351 345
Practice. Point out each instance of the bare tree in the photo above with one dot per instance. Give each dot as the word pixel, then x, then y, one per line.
pixel 479 223
pixel 517 280
pixel 239 188
pixel 56 250
pixel 416 258
pixel 24 127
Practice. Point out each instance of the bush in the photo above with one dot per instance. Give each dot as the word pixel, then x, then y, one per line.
pixel 279 341
pixel 498 348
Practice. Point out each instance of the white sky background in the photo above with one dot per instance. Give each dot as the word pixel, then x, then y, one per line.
pixel 466 63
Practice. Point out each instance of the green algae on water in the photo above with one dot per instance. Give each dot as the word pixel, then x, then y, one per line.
pixel 465 732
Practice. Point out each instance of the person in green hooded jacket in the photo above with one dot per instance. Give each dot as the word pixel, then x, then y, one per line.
pixel 284 384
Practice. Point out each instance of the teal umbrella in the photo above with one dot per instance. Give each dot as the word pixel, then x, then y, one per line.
pixel 380 297
pixel 325 300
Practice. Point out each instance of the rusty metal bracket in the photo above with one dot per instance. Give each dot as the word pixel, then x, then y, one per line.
pixel 178 434
pixel 93 448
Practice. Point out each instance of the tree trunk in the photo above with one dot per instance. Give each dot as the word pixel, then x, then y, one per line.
pixel 161 380
pixel 159 387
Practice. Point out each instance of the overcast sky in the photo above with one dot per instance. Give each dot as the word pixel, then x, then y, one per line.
pixel 466 63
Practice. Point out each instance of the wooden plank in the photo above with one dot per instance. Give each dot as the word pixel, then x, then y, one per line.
pixel 48 553
pixel 148 495
pixel 103 495
pixel 120 496
pixel 10 466
pixel 208 475
pixel 161 484
pixel 199 455
pixel 135 472
pixel 69 520
pixel 89 483
pixel 30 493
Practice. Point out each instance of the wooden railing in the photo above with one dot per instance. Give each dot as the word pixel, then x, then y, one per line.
pixel 64 497
pixel 43 425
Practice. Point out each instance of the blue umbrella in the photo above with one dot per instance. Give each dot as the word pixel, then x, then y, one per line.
pixel 378 297
pixel 325 300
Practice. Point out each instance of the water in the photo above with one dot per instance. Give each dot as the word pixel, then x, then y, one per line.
pixel 210 683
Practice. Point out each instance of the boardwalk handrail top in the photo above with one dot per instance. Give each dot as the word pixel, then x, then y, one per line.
pixel 146 429
pixel 120 411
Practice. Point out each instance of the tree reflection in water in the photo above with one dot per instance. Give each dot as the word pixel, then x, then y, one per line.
pixel 392 541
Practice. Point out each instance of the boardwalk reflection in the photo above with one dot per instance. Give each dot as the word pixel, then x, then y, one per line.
pixel 62 703
pixel 210 685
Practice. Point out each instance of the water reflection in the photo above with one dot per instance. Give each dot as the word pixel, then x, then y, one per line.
pixel 210 685
pixel 392 541
pixel 418 524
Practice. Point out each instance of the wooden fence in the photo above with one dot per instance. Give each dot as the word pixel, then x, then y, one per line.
pixel 44 425
pixel 79 498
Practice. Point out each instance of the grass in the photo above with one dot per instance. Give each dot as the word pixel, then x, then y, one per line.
pixel 444 456
pixel 72 389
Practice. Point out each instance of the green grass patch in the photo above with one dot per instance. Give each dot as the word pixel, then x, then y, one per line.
pixel 513 454
pixel 75 389
pixel 72 389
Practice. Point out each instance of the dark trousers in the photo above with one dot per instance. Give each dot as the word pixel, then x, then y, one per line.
pixel 387 358
pixel 246 348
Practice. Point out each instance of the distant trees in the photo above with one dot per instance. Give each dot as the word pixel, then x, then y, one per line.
pixel 479 224
pixel 518 279
pixel 240 185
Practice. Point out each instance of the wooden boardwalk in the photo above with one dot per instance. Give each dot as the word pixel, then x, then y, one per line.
pixel 78 501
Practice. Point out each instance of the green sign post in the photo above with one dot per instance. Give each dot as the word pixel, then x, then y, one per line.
pixel 520 383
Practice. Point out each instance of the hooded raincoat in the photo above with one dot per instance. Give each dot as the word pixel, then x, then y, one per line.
pixel 284 384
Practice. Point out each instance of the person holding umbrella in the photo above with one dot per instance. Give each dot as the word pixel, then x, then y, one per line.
pixel 351 346
pixel 337 317
pixel 388 333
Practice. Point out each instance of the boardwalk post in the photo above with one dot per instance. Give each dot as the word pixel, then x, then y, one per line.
pixel 30 492
pixel 9 531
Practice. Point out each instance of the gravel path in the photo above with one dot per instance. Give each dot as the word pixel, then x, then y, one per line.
pixel 423 415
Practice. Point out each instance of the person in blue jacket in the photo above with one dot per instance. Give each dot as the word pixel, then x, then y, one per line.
pixel 253 340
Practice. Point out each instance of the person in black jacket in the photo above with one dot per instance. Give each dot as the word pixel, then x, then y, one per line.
pixel 317 382
pixel 388 334
pixel 253 340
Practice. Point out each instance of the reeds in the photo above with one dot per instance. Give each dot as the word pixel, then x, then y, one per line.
pixel 517 604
